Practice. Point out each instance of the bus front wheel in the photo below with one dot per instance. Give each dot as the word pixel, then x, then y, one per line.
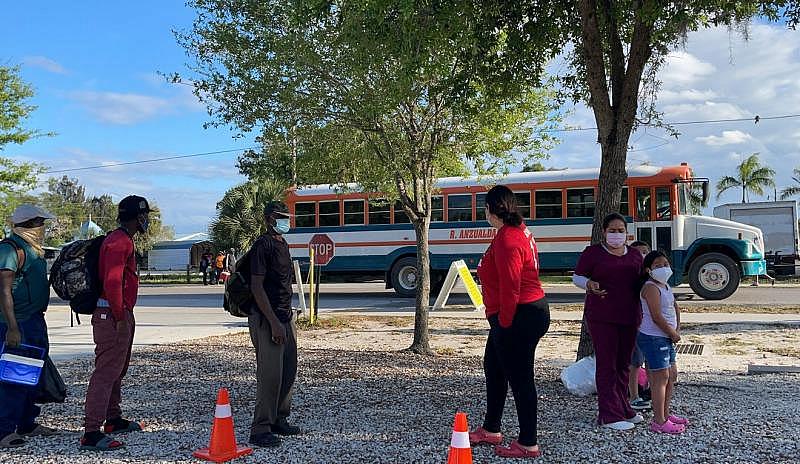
pixel 714 276
pixel 405 277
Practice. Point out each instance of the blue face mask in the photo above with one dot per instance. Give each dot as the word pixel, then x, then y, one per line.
pixel 282 226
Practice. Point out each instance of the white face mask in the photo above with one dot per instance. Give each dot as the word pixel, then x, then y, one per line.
pixel 661 274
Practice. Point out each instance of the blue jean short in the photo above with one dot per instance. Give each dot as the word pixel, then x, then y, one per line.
pixel 659 352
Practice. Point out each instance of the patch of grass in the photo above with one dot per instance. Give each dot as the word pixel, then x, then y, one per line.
pixel 789 352
pixel 445 351
pixel 731 351
pixel 325 323
pixel 397 321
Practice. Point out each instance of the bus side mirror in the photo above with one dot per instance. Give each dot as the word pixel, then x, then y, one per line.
pixel 705 193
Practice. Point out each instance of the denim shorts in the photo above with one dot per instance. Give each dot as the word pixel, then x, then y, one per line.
pixel 659 352
pixel 637 359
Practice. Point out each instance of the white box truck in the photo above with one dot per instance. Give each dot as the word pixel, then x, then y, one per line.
pixel 778 221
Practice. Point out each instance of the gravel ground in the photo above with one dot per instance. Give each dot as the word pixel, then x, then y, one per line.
pixel 395 407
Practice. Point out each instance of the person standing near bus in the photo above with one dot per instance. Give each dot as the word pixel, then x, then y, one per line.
pixel 272 330
pixel 24 296
pixel 519 316
pixel 610 272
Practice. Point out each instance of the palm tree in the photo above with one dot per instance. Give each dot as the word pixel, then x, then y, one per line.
pixel 794 190
pixel 751 176
pixel 240 214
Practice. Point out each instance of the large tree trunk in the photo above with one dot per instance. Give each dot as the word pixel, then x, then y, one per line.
pixel 421 342
pixel 612 171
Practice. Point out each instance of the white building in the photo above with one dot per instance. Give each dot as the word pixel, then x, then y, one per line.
pixel 176 255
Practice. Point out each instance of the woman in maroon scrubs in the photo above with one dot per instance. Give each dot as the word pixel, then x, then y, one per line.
pixel 611 274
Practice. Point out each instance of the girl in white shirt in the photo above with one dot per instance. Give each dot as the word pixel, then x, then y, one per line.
pixel 658 334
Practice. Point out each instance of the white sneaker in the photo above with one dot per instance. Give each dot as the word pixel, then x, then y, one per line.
pixel 621 425
pixel 637 419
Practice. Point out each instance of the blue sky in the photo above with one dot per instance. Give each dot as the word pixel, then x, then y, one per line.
pixel 94 67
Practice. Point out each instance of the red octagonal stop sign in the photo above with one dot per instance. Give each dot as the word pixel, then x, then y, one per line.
pixel 323 247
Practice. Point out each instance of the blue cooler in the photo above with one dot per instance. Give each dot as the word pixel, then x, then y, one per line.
pixel 22 365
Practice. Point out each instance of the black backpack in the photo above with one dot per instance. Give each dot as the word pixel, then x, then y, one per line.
pixel 238 299
pixel 75 275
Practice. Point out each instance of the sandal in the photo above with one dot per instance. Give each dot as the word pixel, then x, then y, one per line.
pixel 104 444
pixel 515 450
pixel 12 440
pixel 480 436
pixel 667 427
pixel 678 420
pixel 121 426
pixel 40 430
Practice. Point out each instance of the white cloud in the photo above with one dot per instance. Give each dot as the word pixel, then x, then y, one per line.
pixel 684 68
pixel 42 62
pixel 121 108
pixel 727 138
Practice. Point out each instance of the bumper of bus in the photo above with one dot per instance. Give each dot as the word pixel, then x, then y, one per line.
pixel 754 268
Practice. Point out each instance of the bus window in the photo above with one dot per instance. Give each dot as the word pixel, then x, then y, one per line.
pixel 623 203
pixel 643 208
pixel 329 213
pixel 353 212
pixel 663 207
pixel 645 234
pixel 548 204
pixel 379 212
pixel 305 214
pixel 400 216
pixel 459 208
pixel 523 203
pixel 683 198
pixel 480 207
pixel 580 203
pixel 437 209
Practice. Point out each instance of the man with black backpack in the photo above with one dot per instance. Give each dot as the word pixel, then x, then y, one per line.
pixel 113 327
pixel 24 296
pixel 272 330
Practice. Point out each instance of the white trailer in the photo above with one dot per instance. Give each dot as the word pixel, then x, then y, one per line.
pixel 776 219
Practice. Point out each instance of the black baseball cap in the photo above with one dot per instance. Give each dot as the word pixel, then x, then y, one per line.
pixel 276 208
pixel 133 205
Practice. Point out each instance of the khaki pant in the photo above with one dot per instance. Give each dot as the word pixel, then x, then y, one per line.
pixel 276 371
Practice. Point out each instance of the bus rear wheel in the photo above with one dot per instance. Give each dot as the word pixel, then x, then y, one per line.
pixel 405 277
pixel 714 276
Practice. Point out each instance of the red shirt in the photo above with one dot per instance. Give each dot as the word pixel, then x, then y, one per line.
pixel 620 276
pixel 117 269
pixel 509 273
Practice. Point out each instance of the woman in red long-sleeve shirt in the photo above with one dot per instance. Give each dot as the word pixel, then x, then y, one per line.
pixel 519 317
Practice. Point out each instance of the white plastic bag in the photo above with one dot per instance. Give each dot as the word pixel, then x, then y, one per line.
pixel 579 377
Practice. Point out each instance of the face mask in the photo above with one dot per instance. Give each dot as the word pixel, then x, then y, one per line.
pixel 282 226
pixel 661 274
pixel 34 236
pixel 615 239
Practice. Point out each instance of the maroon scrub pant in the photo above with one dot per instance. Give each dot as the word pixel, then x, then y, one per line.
pixel 613 347
pixel 112 356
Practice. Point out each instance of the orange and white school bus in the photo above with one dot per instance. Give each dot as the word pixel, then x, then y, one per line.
pixel 373 237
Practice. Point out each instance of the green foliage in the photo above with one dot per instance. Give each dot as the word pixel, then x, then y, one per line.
pixel 792 190
pixel 14 108
pixel 66 199
pixel 16 180
pixel 751 176
pixel 240 214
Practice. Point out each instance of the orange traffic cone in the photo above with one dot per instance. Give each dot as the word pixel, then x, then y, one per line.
pixel 460 452
pixel 222 446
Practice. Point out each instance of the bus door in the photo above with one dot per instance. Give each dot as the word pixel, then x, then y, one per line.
pixel 653 217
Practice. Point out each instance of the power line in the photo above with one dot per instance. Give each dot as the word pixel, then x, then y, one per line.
pixel 756 119
pixel 152 160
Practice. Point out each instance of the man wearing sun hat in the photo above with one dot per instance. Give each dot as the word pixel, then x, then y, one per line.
pixel 24 295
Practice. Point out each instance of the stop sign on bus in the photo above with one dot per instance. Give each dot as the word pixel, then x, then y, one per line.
pixel 323 247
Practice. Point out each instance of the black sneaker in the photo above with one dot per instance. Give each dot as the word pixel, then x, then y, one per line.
pixel 283 428
pixel 265 440
pixel 641 405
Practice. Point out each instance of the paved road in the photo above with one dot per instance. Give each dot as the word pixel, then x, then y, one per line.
pixel 170 314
